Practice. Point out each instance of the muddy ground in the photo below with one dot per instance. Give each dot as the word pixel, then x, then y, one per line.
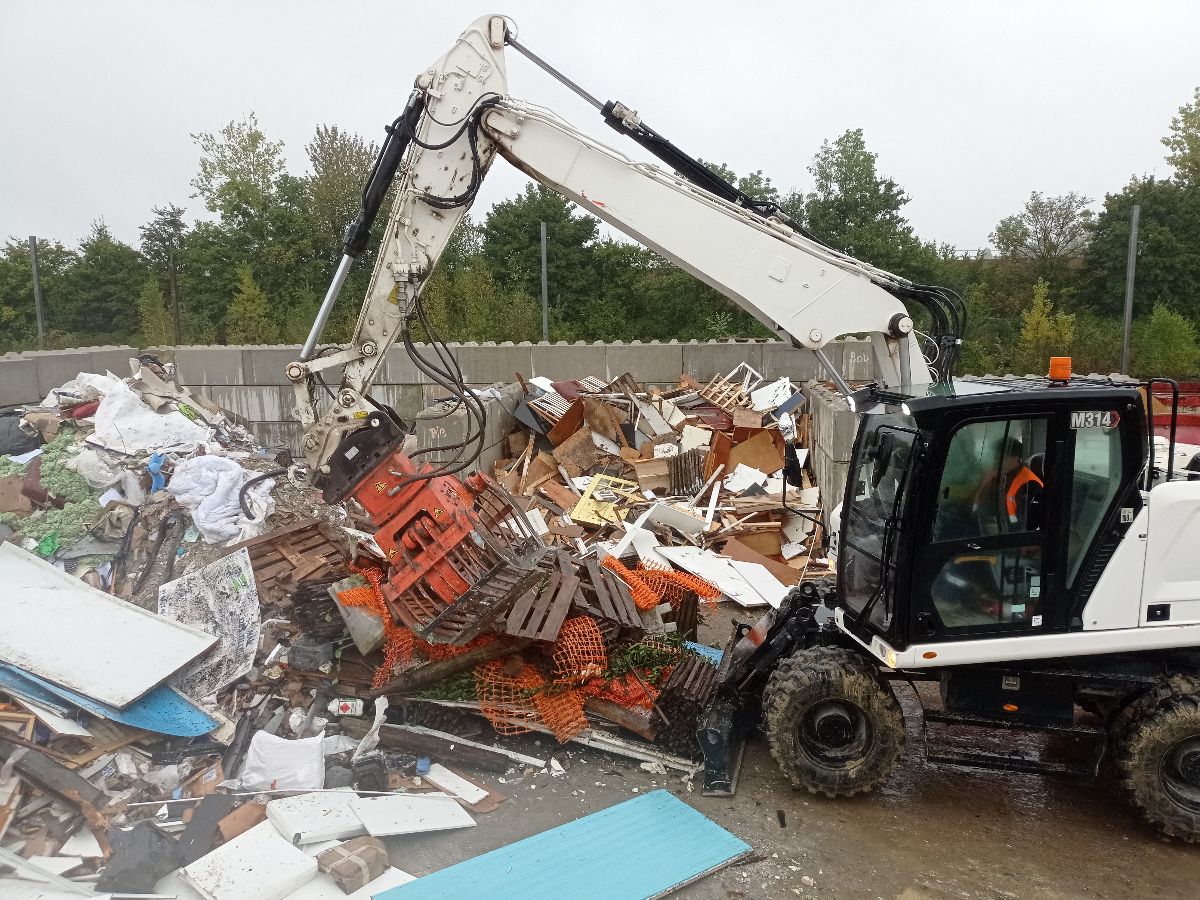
pixel 931 831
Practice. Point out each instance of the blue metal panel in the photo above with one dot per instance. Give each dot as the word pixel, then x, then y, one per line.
pixel 712 654
pixel 642 848
pixel 162 710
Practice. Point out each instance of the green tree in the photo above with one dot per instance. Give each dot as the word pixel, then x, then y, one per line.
pixel 162 237
pixel 466 304
pixel 1168 250
pixel 339 162
pixel 511 245
pixel 248 319
pixel 1164 343
pixel 855 209
pixel 239 168
pixel 1183 143
pixel 755 185
pixel 105 283
pixel 1047 233
pixel 1044 332
pixel 18 321
pixel 156 328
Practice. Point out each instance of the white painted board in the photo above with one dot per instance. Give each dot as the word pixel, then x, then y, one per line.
pixel 66 631
pixel 454 784
pixel 765 584
pixel 82 843
pixel 319 816
pixel 410 813
pixel 258 864
pixel 52 720
pixel 716 569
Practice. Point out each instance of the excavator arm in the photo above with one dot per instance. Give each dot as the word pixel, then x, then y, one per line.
pixel 458 119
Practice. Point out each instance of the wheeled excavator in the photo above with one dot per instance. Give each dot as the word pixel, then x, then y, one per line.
pixel 1068 607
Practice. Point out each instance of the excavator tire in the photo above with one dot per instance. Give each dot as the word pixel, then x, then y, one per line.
pixel 1135 705
pixel 1158 759
pixel 833 726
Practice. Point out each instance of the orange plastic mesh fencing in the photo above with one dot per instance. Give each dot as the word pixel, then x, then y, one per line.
pixel 506 700
pixel 670 584
pixel 644 596
pixel 445 651
pixel 398 642
pixel 625 690
pixel 579 651
pixel 562 711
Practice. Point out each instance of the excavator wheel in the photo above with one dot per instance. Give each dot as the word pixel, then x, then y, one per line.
pixel 833 727
pixel 1158 758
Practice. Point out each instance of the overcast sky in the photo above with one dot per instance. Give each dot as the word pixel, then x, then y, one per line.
pixel 969 105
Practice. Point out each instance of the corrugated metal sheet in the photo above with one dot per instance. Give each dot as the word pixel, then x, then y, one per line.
pixel 639 849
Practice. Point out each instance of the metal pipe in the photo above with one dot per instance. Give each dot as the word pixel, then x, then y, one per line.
pixel 37 293
pixel 834 374
pixel 1130 269
pixel 545 291
pixel 551 71
pixel 331 295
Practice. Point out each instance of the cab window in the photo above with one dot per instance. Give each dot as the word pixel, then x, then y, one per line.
pixel 991 488
pixel 993 480
pixel 1096 478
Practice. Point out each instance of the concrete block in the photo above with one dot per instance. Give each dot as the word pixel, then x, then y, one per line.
pixel 564 362
pixel 491 363
pixel 255 402
pixel 210 365
pixel 797 363
pixel 406 399
pixel 652 363
pixel 263 364
pixel 399 369
pixel 113 359
pixel 858 360
pixel 56 367
pixel 18 381
pixel 278 434
pixel 704 360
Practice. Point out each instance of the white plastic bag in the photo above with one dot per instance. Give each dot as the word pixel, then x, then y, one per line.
pixel 94 468
pixel 126 423
pixel 275 763
pixel 209 487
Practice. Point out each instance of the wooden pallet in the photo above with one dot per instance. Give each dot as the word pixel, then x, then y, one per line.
pixel 539 614
pixel 606 598
pixel 306 551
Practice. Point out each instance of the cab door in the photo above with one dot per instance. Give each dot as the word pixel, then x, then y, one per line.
pixel 990 564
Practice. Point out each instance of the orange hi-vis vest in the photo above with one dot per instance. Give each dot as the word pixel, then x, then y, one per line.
pixel 1022 478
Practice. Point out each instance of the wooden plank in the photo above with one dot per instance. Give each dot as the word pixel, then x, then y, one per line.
pixel 557 614
pixel 515 622
pixel 440 745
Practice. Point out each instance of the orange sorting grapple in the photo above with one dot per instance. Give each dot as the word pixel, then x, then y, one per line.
pixel 460 552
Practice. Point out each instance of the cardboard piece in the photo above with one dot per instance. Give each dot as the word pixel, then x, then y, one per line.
pixel 355 863
pixel 760 451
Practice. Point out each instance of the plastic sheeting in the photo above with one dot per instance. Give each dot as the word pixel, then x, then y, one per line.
pixel 221 598
pixel 127 424
pixel 209 487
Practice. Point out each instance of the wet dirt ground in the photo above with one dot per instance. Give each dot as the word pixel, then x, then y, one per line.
pixel 931 831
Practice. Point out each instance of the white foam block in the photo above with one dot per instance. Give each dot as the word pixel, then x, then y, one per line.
pixel 410 813
pixel 454 784
pixel 258 864
pixel 319 816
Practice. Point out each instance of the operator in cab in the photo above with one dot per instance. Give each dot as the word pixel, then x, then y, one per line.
pixel 1013 490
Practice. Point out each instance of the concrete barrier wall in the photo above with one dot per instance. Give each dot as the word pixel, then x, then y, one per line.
pixel 833 429
pixel 249 380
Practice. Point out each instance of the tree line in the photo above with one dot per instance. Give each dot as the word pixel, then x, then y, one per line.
pixel 1051 282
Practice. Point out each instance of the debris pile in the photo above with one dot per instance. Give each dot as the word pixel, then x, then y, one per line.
pixel 203 663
